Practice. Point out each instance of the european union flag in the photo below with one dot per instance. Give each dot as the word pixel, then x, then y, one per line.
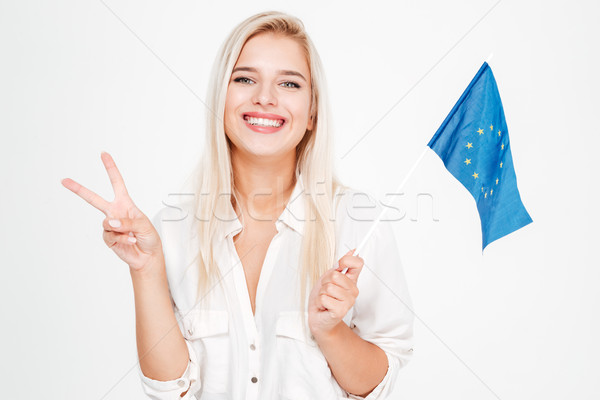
pixel 473 144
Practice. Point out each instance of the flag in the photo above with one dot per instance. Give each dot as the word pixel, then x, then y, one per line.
pixel 473 144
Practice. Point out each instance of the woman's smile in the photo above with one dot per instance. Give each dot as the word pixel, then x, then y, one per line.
pixel 264 122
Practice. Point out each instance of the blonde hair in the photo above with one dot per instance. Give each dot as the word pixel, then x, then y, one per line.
pixel 214 175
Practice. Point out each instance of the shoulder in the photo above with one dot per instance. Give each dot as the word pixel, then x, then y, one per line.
pixel 355 215
pixel 356 208
pixel 174 219
pixel 355 204
pixel 175 224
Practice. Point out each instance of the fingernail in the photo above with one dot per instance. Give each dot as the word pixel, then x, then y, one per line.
pixel 115 223
pixel 132 239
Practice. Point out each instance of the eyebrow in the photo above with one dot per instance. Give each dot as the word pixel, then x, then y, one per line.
pixel 280 72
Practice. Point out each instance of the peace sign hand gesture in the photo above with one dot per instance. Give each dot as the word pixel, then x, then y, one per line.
pixel 127 231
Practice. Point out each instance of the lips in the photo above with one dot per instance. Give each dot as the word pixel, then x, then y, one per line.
pixel 270 116
pixel 265 123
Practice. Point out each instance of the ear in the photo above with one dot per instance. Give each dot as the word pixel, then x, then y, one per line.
pixel 310 124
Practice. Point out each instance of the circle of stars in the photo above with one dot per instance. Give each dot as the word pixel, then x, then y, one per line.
pixel 469 161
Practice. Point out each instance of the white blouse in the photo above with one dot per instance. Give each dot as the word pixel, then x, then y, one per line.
pixel 234 354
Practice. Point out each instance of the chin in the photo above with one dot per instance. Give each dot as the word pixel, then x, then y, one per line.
pixel 263 145
pixel 264 152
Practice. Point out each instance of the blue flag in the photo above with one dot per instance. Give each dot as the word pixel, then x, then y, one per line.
pixel 473 144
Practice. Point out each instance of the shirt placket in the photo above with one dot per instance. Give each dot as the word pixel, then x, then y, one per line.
pixel 252 336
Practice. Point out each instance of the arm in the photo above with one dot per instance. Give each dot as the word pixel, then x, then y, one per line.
pixel 356 364
pixel 364 358
pixel 383 314
pixel 161 347
pixel 169 367
pixel 162 350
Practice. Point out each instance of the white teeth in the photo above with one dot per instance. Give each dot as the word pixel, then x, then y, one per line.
pixel 264 122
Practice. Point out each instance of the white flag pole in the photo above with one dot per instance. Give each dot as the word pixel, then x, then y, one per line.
pixel 398 190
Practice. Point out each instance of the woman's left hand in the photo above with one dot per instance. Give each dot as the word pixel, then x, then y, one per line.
pixel 333 295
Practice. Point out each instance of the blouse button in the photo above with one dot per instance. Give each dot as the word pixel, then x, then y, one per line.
pixel 254 379
pixel 190 332
pixel 252 347
pixel 181 383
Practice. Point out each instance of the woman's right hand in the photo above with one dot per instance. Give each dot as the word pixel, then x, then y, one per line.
pixel 134 240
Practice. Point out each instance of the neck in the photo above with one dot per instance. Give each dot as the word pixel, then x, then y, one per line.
pixel 263 187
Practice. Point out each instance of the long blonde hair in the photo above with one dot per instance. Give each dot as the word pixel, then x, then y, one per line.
pixel 214 176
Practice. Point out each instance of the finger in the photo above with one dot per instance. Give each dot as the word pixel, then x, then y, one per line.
pixel 123 225
pixel 353 273
pixel 86 194
pixel 335 291
pixel 353 264
pixel 337 278
pixel 112 238
pixel 346 283
pixel 116 180
pixel 349 253
pixel 330 304
pixel 349 261
pixel 341 268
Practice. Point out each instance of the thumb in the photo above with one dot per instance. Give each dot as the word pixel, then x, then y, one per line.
pixel 341 267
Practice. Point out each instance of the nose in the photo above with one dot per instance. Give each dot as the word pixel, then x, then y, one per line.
pixel 264 95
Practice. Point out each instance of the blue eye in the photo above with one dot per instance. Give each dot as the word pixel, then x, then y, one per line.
pixel 242 79
pixel 293 84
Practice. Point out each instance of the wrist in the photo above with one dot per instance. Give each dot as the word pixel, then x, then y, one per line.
pixel 153 269
pixel 326 336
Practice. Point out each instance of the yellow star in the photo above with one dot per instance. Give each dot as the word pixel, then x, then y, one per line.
pixel 491 127
pixel 496 181
pixel 482 189
pixel 467 161
pixel 485 195
pixel 500 164
pixel 491 192
pixel 475 175
pixel 469 145
pixel 480 131
pixel 498 133
pixel 502 147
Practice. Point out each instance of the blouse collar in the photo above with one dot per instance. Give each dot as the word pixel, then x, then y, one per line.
pixel 292 215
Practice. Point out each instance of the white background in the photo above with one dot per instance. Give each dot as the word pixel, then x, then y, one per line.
pixel 520 321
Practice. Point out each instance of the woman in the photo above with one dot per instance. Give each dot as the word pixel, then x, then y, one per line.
pixel 245 270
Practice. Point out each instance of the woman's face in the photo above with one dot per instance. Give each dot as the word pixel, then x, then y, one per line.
pixel 267 109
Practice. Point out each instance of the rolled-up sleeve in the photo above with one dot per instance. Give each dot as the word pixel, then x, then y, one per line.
pixel 173 389
pixel 382 311
pixel 385 387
